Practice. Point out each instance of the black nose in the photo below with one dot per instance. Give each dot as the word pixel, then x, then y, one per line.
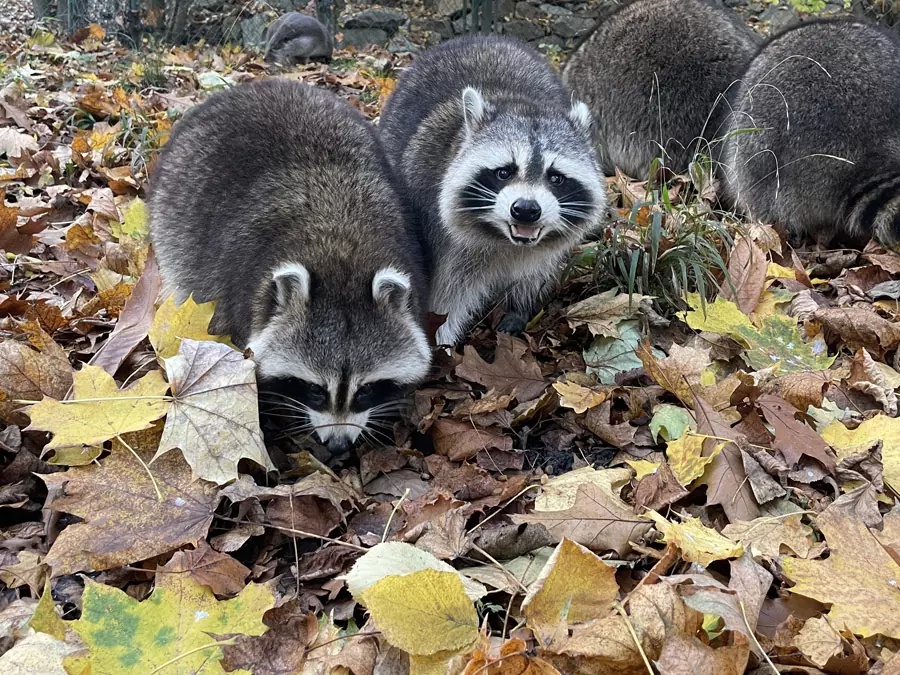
pixel 338 445
pixel 525 210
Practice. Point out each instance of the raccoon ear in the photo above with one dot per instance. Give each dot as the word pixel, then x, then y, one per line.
pixel 391 288
pixel 292 285
pixel 475 108
pixel 581 117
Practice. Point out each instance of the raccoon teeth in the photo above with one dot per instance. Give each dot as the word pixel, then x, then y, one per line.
pixel 524 231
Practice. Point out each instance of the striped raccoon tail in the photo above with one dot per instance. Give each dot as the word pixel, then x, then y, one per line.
pixel 873 207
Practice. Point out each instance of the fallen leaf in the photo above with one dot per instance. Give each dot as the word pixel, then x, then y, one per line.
pixel 124 520
pixel 602 313
pixel 879 428
pixel 779 345
pixel 608 357
pixel 220 572
pixel 461 440
pixel 175 622
pixel 859 327
pixel 658 489
pixel 599 520
pixel 560 492
pixel 45 619
pixel 281 650
pixel 767 535
pixel 13 143
pixel 37 654
pixel 858 579
pixel 578 398
pixel 574 587
pixel 818 641
pixel 513 659
pixel 747 271
pixel 687 655
pixel 423 613
pixel 12 240
pixel 670 422
pixel 100 410
pixel 598 423
pixel 686 457
pixel 792 438
pixel 867 376
pixel 29 375
pixel 698 544
pixel 722 316
pixel 513 370
pixel 171 324
pixel 214 418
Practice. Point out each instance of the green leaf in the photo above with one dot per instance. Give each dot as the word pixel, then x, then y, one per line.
pixel 670 421
pixel 607 357
pixel 779 344
pixel 45 619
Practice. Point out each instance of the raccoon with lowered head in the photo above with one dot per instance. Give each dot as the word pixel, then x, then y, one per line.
pixel 500 171
pixel 654 73
pixel 275 199
pixel 296 38
pixel 814 143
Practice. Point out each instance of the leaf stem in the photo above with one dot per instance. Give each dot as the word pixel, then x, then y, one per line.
pixel 637 643
pixel 219 643
pixel 291 530
pixel 752 635
pixel 387 527
pixel 159 496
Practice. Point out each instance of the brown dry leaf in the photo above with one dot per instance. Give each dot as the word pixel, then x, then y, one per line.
pixel 574 587
pixel 751 581
pixel 794 439
pixel 766 536
pixel 513 659
pixel 679 371
pixel 598 519
pixel 445 536
pixel 889 537
pixel 513 370
pixel 866 376
pixel 658 489
pixel 30 375
pixel 279 651
pixel 460 440
pixel 30 571
pixel 214 418
pixel 11 239
pixel 222 573
pixel 858 579
pixel 725 477
pixel 602 313
pixel 747 270
pixel 859 327
pixel 578 398
pixel 124 520
pixel 13 143
pixel 688 656
pixel 860 503
pixel 818 641
pixel 598 423
pixel 657 614
pixel 801 390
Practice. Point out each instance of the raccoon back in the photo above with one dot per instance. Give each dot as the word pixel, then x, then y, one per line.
pixel 277 172
pixel 653 73
pixel 814 142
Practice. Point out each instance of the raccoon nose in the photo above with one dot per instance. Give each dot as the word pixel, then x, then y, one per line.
pixel 338 445
pixel 525 210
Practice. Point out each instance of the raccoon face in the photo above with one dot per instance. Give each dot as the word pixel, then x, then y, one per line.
pixel 333 361
pixel 522 178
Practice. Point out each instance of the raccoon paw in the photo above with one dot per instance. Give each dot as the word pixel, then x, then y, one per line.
pixel 513 323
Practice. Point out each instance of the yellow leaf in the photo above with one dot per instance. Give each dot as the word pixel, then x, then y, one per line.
pixel 776 271
pixel 171 323
pixel 721 316
pixel 818 641
pixel 698 543
pixel 559 493
pixel 99 410
pixel 642 467
pixel 575 586
pixel 881 427
pixel 423 613
pixel 685 457
pixel 859 579
pixel 578 398
pixel 767 536
pixel 45 619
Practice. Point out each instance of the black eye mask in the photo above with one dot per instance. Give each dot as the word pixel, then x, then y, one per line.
pixel 373 393
pixel 309 394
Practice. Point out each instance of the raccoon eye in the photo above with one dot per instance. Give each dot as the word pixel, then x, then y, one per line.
pixel 373 393
pixel 556 178
pixel 308 393
pixel 503 173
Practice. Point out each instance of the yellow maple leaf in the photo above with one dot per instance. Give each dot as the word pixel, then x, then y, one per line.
pixel 99 410
pixel 642 467
pixel 880 428
pixel 578 398
pixel 685 457
pixel 698 543
pixel 575 586
pixel 722 316
pixel 776 271
pixel 171 323
pixel 423 613
pixel 859 579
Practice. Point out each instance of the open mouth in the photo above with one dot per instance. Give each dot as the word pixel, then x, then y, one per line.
pixel 524 234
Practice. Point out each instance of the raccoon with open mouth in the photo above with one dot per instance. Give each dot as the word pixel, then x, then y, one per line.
pixel 276 200
pixel 501 175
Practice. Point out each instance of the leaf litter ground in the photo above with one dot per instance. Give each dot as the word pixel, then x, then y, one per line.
pixel 707 485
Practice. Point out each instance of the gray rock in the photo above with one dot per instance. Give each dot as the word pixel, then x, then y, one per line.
pixel 442 27
pixel 253 31
pixel 553 10
pixel 523 30
pixel 363 37
pixel 505 8
pixel 526 10
pixel 388 20
pixel 400 45
pixel 572 26
pixel 444 7
pixel 779 18
pixel 284 5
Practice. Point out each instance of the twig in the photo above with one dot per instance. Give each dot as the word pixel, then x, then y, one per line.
pixel 291 530
pixel 387 527
pixel 752 634
pixel 121 440
pixel 621 611
pixel 220 643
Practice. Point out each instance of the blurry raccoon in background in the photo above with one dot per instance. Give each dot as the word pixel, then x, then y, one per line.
pixel 814 143
pixel 654 73
pixel 275 199
pixel 296 38
pixel 500 173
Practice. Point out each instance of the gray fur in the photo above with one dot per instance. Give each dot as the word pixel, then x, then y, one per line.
pixel 276 200
pixel 654 74
pixel 515 107
pixel 823 101
pixel 296 38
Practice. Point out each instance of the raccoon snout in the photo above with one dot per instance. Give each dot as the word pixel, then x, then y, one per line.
pixel 338 445
pixel 525 211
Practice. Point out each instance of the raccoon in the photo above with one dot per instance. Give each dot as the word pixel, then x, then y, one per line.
pixel 275 199
pixel 814 143
pixel 296 38
pixel 502 178
pixel 655 74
